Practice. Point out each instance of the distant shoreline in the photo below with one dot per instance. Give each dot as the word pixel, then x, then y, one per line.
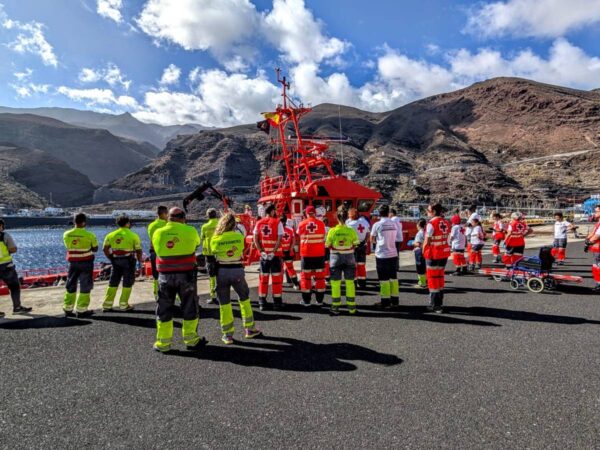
pixel 38 222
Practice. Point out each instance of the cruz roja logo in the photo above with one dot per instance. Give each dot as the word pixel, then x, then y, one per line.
pixel 311 227
pixel 75 242
pixel 266 230
pixel 444 226
pixel 231 251
pixel 172 242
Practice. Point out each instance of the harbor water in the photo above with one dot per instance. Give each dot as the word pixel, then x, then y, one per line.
pixel 43 248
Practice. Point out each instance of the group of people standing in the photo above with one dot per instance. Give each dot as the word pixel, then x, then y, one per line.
pixel 337 253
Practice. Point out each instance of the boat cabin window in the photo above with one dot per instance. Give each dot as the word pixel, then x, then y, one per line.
pixel 316 203
pixel 348 203
pixel 364 205
pixel 322 192
pixel 328 205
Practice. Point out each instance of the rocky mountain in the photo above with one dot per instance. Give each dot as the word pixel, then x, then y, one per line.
pixel 505 140
pixel 34 178
pixel 98 154
pixel 123 125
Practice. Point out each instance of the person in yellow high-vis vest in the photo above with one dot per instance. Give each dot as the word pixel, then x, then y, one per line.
pixel 342 240
pixel 81 246
pixel 162 213
pixel 206 233
pixel 175 246
pixel 228 245
pixel 122 247
pixel 8 273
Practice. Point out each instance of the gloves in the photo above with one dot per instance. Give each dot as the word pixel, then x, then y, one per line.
pixel 270 256
pixel 586 246
pixel 264 255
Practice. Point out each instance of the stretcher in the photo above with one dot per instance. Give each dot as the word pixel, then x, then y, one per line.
pixel 533 273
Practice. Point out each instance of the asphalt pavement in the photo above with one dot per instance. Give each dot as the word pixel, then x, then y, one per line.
pixel 500 369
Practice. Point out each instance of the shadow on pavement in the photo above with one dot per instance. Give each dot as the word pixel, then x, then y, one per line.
pixel 420 313
pixel 517 315
pixel 292 355
pixel 42 322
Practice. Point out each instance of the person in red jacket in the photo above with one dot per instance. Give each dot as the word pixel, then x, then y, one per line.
pixel 499 230
pixel 267 239
pixel 436 251
pixel 288 241
pixel 311 233
pixel 515 239
pixel 592 244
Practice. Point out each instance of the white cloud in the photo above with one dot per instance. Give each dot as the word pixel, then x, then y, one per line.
pixel 98 96
pixel 24 87
pixel 227 28
pixel 401 79
pixel 111 74
pixel 215 25
pixel 170 75
pixel 218 99
pixel 25 75
pixel 28 89
pixel 293 29
pixel 89 76
pixel 30 39
pixel 540 18
pixel 111 9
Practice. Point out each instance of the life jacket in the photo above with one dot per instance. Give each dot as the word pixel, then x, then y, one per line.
pixel 123 243
pixel 517 234
pixel 266 232
pixel 596 246
pixel 342 239
pixel 5 256
pixel 438 247
pixel 175 246
pixel 499 232
pixel 79 243
pixel 286 239
pixel 311 232
pixel 206 233
pixel 228 248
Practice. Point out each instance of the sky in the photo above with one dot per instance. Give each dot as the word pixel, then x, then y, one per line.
pixel 212 61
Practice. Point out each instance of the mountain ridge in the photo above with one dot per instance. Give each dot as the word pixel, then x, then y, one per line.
pixel 471 133
pixel 123 125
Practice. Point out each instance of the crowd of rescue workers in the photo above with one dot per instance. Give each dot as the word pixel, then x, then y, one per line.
pixel 326 254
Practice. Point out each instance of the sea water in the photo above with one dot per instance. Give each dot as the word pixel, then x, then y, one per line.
pixel 43 248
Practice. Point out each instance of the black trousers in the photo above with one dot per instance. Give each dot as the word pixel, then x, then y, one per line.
pixel 211 265
pixel 8 274
pixel 169 286
pixel 122 268
pixel 153 264
pixel 81 272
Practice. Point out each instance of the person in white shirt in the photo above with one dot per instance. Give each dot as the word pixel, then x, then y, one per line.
pixel 420 264
pixel 320 210
pixel 399 237
pixel 477 239
pixel 363 228
pixel 559 246
pixel 473 214
pixel 383 235
pixel 458 242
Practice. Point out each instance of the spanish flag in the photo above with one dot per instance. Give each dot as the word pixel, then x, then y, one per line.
pixel 273 118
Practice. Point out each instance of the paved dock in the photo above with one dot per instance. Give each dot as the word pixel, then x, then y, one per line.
pixel 500 369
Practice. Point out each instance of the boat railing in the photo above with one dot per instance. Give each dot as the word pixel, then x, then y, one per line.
pixel 271 185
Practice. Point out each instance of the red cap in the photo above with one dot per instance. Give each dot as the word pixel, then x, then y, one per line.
pixel 455 220
pixel 310 210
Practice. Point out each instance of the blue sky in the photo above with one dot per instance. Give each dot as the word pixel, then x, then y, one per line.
pixel 211 61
